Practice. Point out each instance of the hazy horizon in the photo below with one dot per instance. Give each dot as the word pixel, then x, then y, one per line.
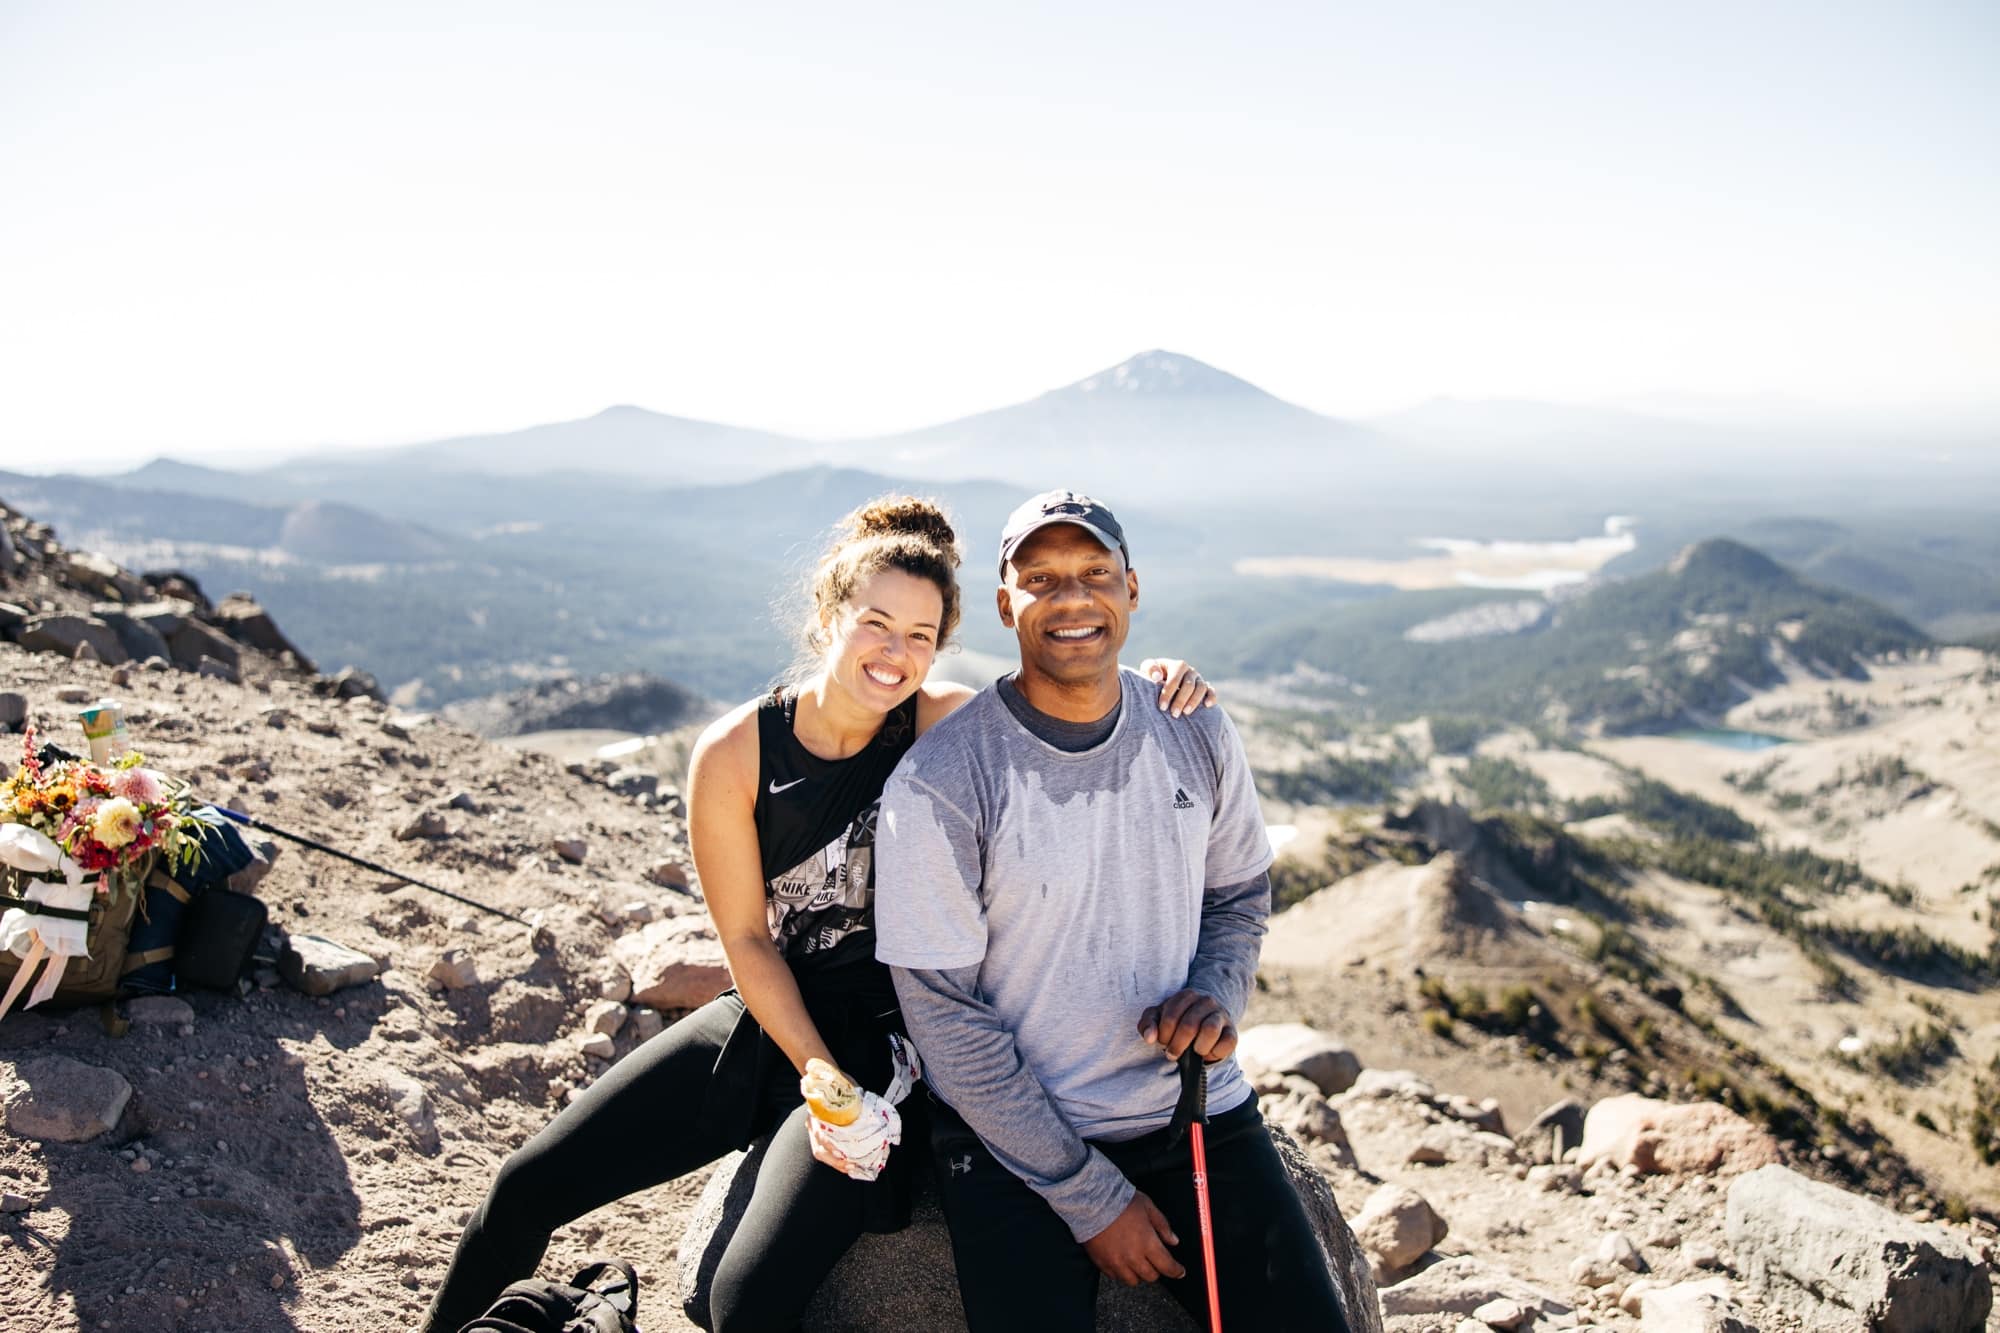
pixel 268 231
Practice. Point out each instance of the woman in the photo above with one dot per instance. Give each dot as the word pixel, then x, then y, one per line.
pixel 782 794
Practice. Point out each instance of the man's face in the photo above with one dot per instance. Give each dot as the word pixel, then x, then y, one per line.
pixel 1070 603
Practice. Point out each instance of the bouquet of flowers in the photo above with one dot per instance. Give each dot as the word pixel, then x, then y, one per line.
pixel 62 822
pixel 109 821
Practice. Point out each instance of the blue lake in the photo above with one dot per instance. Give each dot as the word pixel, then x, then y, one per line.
pixel 1730 739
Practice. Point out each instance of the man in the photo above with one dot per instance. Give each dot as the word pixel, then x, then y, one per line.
pixel 1071 888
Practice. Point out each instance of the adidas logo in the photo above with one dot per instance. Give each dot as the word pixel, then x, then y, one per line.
pixel 1181 801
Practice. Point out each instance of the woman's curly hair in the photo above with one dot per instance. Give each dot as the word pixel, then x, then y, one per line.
pixel 891 532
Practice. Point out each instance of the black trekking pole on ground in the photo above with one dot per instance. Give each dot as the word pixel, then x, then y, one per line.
pixel 251 821
pixel 1193 1112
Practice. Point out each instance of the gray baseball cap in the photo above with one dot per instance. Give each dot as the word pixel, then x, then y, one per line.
pixel 1061 507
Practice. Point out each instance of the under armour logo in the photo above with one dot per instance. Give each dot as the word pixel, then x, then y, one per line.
pixel 960 1166
pixel 1181 801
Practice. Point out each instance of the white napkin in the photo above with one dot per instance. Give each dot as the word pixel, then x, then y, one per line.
pixel 861 1149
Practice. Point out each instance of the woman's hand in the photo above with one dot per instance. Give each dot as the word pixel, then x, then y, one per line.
pixel 859 1150
pixel 1182 690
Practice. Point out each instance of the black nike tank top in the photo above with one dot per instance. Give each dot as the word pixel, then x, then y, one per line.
pixel 816 828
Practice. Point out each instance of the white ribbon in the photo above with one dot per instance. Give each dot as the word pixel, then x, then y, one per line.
pixel 28 851
pixel 30 936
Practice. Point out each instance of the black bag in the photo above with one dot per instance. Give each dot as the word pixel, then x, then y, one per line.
pixel 600 1299
pixel 219 935
pixel 149 952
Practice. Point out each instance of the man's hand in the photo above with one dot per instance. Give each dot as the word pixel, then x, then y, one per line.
pixel 1190 1018
pixel 1133 1249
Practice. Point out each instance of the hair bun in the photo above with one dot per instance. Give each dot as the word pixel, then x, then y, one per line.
pixel 906 515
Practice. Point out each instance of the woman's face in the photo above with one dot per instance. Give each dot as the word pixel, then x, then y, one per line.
pixel 883 639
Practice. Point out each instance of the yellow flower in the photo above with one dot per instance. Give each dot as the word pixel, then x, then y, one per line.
pixel 116 822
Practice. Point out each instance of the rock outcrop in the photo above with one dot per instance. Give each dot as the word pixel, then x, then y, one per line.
pixel 62 1100
pixel 1656 1136
pixel 80 603
pixel 1269 1051
pixel 1839 1259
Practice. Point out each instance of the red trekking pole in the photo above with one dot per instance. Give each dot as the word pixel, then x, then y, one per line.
pixel 1194 1106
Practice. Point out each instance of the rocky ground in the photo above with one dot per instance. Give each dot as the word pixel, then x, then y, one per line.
pixel 269 1158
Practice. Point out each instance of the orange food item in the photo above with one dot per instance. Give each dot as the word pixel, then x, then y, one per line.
pixel 830 1093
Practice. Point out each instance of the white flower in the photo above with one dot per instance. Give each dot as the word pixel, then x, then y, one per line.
pixel 116 822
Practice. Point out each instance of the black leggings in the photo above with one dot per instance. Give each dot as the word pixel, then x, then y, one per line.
pixel 1019 1267
pixel 638 1126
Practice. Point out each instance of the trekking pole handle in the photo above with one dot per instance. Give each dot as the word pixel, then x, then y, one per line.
pixel 1194 1088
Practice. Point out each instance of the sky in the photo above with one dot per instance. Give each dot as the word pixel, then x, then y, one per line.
pixel 229 228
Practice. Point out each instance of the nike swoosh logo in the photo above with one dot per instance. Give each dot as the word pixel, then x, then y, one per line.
pixel 775 788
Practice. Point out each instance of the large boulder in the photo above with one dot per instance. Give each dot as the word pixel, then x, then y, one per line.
pixel 674 964
pixel 1657 1136
pixel 242 619
pixel 1555 1131
pixel 1835 1259
pixel 908 1280
pixel 1459 1286
pixel 164 615
pixel 62 632
pixel 349 683
pixel 1271 1050
pixel 101 574
pixel 194 641
pixel 1692 1307
pixel 140 639
pixel 1396 1227
pixel 317 966
pixel 64 1100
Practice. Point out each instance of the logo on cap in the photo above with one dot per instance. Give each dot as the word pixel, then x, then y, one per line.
pixel 1062 506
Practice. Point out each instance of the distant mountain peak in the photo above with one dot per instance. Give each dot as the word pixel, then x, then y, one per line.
pixel 1164 372
pixel 1732 559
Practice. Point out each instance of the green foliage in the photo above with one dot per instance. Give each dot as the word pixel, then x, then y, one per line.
pixel 1752 782
pixel 1765 878
pixel 1559 868
pixel 1437 1022
pixel 1910 952
pixel 1343 779
pixel 1683 815
pixel 1876 771
pixel 1458 734
pixel 1983 1125
pixel 1502 784
pixel 1517 1007
pixel 1293 879
pixel 1911 1056
pixel 1619 952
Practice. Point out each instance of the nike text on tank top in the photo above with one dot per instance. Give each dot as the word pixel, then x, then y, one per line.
pixel 816 828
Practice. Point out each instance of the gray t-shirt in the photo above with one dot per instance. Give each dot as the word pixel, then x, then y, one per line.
pixel 1074 883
